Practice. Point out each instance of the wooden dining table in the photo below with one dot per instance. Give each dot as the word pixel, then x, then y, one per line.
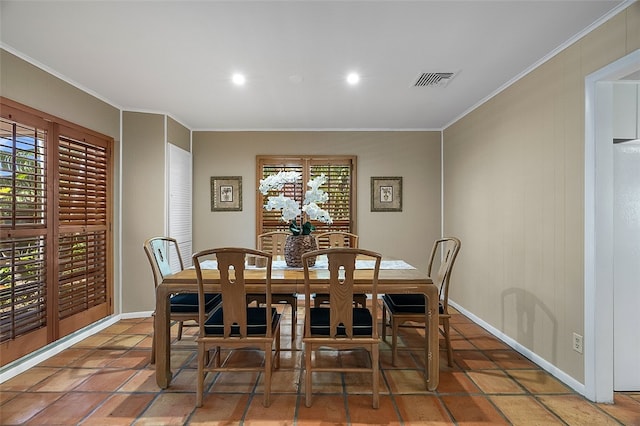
pixel 291 280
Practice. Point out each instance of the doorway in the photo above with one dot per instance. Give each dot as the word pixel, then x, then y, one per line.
pixel 600 242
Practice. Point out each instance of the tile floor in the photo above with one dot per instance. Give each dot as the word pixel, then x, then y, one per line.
pixel 107 380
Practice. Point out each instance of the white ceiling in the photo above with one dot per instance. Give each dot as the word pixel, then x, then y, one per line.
pixel 177 57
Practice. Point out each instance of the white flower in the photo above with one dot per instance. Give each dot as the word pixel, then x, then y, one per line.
pixel 289 207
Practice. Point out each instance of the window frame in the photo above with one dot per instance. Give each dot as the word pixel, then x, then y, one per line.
pixel 87 228
pixel 305 164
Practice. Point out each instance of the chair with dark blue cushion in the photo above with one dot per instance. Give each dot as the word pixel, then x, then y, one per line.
pixel 337 239
pixel 273 242
pixel 165 259
pixel 236 324
pixel 342 325
pixel 411 307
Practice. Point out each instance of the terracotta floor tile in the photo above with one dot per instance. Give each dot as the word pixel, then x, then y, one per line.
pixel 6 396
pixel 575 410
pixel 124 341
pixel 625 408
pixel 280 412
pixel 120 409
pixel 169 409
pixel 473 410
pixel 470 329
pixel 26 405
pixel 142 381
pixel 456 382
pixel 220 409
pixel 510 359
pixel 538 381
pixel 495 382
pixel 69 409
pixel 65 380
pixel 361 383
pixel 323 382
pixel 361 411
pixel 93 341
pixel 29 378
pixel 406 381
pixel 324 410
pixel 106 380
pixel 66 357
pixel 420 410
pixel 473 360
pixel 282 381
pixel 244 382
pixel 524 410
pixel 487 342
pixel 97 358
pixel 132 359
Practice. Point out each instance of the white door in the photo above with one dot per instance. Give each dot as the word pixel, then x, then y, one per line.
pixel 626 266
pixel 180 183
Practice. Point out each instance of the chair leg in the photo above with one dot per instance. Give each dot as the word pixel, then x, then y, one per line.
pixel 307 375
pixel 153 347
pixel 268 355
pixel 179 330
pixel 384 323
pixel 447 340
pixel 201 374
pixel 375 359
pixel 394 340
pixel 294 317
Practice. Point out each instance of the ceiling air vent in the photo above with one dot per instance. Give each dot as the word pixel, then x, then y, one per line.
pixel 434 79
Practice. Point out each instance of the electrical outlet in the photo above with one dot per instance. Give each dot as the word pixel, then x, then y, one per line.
pixel 577 343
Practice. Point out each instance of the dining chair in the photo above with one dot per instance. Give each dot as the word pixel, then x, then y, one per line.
pixel 342 326
pixel 411 307
pixel 337 239
pixel 236 325
pixel 273 242
pixel 183 306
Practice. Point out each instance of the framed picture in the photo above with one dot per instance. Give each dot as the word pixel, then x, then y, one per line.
pixel 386 194
pixel 226 193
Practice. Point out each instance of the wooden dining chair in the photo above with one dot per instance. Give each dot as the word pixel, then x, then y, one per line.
pixel 337 239
pixel 411 307
pixel 273 242
pixel 184 306
pixel 341 326
pixel 236 324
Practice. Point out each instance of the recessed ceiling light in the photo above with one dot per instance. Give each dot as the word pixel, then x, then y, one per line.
pixel 239 79
pixel 353 78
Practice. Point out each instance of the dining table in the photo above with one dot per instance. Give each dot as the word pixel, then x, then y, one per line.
pixel 395 277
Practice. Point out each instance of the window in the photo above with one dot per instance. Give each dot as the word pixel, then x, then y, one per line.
pixel 55 216
pixel 341 183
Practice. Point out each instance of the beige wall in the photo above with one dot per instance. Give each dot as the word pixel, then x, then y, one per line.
pixel 413 155
pixel 514 189
pixel 143 203
pixel 178 135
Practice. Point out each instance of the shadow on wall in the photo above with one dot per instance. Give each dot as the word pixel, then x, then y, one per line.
pixel 530 314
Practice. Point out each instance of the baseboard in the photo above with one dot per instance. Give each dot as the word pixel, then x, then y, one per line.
pixel 26 362
pixel 544 364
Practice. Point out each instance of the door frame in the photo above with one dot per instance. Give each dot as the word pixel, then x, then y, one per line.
pixel 598 227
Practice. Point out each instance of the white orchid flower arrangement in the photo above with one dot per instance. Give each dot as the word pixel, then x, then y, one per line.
pixel 291 208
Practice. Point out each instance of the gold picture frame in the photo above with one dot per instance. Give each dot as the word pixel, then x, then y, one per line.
pixel 226 193
pixel 386 194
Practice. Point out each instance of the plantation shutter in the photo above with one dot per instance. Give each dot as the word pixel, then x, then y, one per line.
pixel 23 207
pixel 55 236
pixel 340 174
pixel 82 241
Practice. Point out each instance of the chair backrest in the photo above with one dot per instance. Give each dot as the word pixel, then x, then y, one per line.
pixel 342 266
pixel 231 266
pixel 160 251
pixel 447 249
pixel 273 242
pixel 336 239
